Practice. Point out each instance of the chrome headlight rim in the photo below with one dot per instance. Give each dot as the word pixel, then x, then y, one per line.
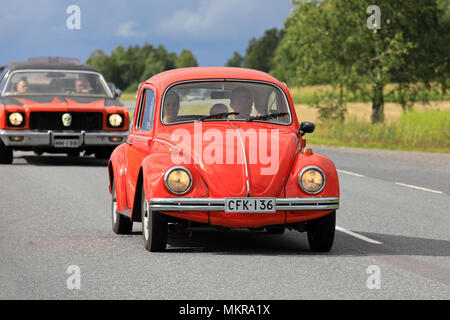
pixel 22 121
pixel 115 115
pixel 309 168
pixel 168 172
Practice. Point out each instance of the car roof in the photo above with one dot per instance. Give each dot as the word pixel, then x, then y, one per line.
pixel 50 63
pixel 167 78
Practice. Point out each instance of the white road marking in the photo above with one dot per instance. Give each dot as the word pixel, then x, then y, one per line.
pixel 350 173
pixel 356 235
pixel 418 188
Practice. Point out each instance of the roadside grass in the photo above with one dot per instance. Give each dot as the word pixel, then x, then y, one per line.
pixel 427 131
pixel 128 96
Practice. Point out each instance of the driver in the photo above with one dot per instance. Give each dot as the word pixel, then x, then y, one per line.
pixel 22 86
pixel 241 101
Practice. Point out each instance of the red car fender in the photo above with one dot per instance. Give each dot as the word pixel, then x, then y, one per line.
pixel 154 168
pixel 331 189
pixel 117 173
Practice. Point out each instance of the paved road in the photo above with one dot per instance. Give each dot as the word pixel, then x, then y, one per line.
pixel 394 219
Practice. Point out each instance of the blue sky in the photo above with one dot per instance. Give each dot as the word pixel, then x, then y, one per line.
pixel 212 29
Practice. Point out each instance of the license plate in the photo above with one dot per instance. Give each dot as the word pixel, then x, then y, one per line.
pixel 67 143
pixel 250 205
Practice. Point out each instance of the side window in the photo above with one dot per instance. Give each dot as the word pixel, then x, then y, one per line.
pixel 147 111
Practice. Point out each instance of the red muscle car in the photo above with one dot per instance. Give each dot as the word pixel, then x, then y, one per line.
pixel 233 157
pixel 58 105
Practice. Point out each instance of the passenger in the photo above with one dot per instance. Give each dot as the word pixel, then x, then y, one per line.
pixel 216 109
pixel 241 101
pixel 22 86
pixel 80 86
pixel 171 107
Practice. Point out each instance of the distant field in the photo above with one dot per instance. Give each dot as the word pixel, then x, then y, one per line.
pixel 361 111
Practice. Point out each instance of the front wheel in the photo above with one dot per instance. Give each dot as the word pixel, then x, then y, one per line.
pixel 154 227
pixel 321 232
pixel 120 224
pixel 6 154
pixel 275 230
pixel 103 153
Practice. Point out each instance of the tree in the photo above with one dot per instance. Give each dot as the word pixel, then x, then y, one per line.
pixel 260 51
pixel 186 59
pixel 236 61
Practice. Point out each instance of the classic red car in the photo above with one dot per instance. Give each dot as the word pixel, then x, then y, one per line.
pixel 58 105
pixel 233 157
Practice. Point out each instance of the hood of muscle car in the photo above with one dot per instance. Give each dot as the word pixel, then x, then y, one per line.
pixel 60 103
pixel 235 158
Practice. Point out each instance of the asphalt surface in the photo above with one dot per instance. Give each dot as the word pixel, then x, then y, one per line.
pixel 55 213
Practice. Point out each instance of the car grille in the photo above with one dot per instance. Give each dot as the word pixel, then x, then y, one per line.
pixel 87 121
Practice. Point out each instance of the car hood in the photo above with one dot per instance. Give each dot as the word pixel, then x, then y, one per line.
pixel 58 103
pixel 235 158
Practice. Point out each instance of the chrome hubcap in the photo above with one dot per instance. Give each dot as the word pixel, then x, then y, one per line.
pixel 114 210
pixel 146 219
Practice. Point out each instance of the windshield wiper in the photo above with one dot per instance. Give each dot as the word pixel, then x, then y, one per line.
pixel 219 115
pixel 268 116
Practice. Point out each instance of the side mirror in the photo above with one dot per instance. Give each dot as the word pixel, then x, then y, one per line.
pixel 306 127
pixel 117 93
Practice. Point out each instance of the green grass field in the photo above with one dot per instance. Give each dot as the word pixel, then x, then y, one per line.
pixel 427 131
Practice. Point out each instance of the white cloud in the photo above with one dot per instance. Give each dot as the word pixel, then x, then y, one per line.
pixel 126 30
pixel 212 18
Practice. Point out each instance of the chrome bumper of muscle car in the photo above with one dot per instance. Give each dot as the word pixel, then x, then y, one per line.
pixel 49 138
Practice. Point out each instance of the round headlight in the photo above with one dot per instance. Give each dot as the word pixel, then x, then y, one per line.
pixel 311 180
pixel 115 120
pixel 15 119
pixel 178 180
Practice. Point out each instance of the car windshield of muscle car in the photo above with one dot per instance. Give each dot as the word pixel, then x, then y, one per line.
pixel 222 100
pixel 54 82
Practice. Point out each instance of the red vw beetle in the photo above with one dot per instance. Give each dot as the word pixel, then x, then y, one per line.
pixel 222 147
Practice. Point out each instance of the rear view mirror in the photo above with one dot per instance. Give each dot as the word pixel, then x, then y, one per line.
pixel 306 127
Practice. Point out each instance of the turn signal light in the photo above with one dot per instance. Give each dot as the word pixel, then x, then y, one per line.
pixel 307 151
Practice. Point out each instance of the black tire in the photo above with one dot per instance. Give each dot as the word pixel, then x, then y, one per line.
pixel 120 223
pixel 154 227
pixel 103 153
pixel 321 233
pixel 275 230
pixel 6 154
pixel 73 153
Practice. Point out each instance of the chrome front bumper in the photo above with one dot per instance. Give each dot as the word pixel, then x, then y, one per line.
pixel 31 138
pixel 218 204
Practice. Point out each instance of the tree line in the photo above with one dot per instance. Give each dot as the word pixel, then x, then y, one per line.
pixel 126 68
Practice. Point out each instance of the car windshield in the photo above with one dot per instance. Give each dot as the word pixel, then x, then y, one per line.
pixel 55 83
pixel 225 100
